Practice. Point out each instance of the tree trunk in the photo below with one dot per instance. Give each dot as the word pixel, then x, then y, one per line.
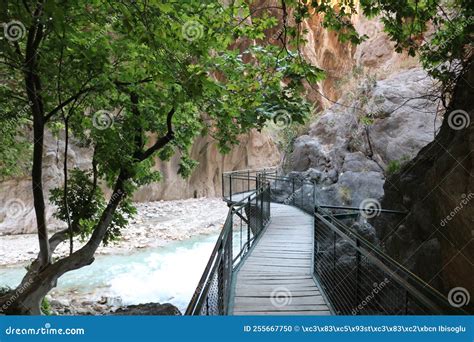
pixel 27 297
pixel 38 196
pixel 33 90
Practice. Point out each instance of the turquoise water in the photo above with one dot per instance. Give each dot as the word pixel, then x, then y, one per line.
pixel 164 274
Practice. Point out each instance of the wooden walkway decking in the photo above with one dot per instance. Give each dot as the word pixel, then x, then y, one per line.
pixel 276 277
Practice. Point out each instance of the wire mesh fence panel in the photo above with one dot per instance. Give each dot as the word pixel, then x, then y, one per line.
pixel 210 306
pixel 237 184
pixel 359 279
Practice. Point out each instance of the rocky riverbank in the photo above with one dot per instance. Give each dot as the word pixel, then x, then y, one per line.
pixel 108 306
pixel 155 224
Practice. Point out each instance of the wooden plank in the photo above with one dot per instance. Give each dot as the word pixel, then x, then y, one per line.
pixel 278 275
pixel 269 266
pixel 270 288
pixel 246 291
pixel 268 304
pixel 262 302
pixel 283 313
pixel 277 282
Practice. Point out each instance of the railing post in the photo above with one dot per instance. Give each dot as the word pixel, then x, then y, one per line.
pixel 220 281
pixel 293 191
pixel 315 240
pixel 314 192
pixel 223 187
pixel 248 180
pixel 230 187
pixel 249 223
pixel 229 271
pixel 302 195
pixel 406 302
pixel 261 210
pixel 269 199
pixel 333 262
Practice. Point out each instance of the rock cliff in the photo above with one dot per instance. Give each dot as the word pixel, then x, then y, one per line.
pixel 352 146
pixel 16 200
pixel 436 239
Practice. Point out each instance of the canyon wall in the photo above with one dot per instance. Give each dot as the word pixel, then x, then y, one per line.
pixel 255 150
pixel 436 238
pixel 16 200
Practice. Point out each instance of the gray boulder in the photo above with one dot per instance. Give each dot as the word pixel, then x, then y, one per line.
pixel 349 148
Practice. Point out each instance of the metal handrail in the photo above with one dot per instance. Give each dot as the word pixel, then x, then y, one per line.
pixel 224 245
pixel 377 210
pixel 203 285
pixel 265 170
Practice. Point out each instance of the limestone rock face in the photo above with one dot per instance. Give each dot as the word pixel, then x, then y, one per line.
pixel 16 199
pixel 17 214
pixel 324 50
pixel 351 147
pixel 405 103
pixel 255 150
pixel 437 238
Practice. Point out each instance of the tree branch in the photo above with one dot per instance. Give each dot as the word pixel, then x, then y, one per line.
pixel 161 142
pixel 124 84
pixel 68 101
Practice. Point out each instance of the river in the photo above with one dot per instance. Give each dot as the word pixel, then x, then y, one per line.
pixel 163 274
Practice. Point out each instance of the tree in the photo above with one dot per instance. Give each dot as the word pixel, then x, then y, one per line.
pixel 439 32
pixel 116 74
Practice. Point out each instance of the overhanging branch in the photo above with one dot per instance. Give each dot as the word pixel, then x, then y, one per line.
pixel 68 101
pixel 161 142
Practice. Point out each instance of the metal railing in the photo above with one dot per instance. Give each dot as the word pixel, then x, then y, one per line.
pixel 294 191
pixel 355 275
pixel 245 221
pixel 238 184
pixel 358 278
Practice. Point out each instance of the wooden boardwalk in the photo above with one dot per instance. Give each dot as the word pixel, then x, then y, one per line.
pixel 276 277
